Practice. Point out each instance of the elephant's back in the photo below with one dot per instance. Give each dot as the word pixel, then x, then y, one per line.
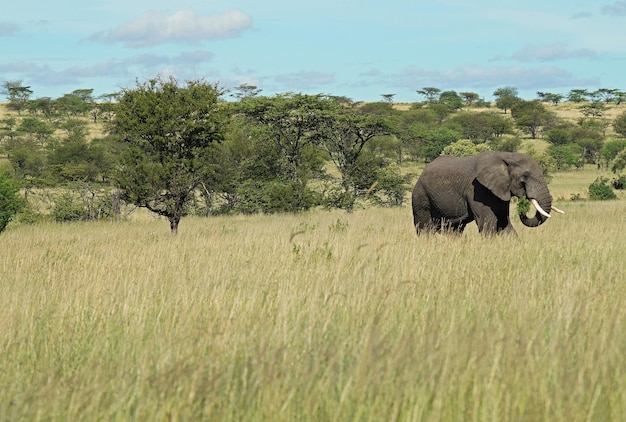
pixel 446 165
pixel 447 174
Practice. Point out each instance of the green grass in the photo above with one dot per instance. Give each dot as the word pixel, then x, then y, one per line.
pixel 321 316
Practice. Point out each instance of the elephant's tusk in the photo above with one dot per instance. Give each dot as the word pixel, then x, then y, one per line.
pixel 557 210
pixel 539 209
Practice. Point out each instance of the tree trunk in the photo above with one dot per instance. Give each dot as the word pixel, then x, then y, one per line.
pixel 174 220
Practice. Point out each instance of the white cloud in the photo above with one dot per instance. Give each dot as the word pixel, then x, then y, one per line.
pixel 184 26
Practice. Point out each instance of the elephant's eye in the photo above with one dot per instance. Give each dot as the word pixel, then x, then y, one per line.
pixel 525 176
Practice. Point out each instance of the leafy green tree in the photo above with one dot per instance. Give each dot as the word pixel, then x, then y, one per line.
pixel 10 202
pixel 464 148
pixel 550 97
pixel 244 91
pixel 435 140
pixel 28 160
pixel 342 134
pixel 8 127
pixel 506 97
pixel 480 127
pixel 75 104
pixel 530 116
pixel 578 95
pixel 166 131
pixel 611 149
pixel 43 105
pixel 431 93
pixel 289 122
pixel 565 156
pixel 507 143
pixel 388 98
pixel 106 105
pixel 559 135
pixel 36 130
pixel 469 97
pixel 451 99
pixel 17 94
pixel 606 95
pixel 619 125
pixel 619 162
pixel 391 187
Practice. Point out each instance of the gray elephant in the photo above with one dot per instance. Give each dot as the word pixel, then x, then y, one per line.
pixel 454 191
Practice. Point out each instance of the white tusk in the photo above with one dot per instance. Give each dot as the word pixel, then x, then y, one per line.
pixel 539 209
pixel 557 210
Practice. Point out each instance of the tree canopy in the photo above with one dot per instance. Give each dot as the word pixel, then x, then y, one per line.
pixel 166 131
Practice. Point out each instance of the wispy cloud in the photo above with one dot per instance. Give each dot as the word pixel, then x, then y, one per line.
pixel 184 26
pixel 548 53
pixel 551 52
pixel 616 9
pixel 8 29
pixel 486 77
pixel 122 69
pixel 305 79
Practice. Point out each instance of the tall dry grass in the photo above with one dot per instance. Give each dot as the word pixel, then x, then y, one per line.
pixel 322 316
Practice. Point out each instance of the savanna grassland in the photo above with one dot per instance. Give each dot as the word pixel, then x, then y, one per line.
pixel 318 316
pixel 324 315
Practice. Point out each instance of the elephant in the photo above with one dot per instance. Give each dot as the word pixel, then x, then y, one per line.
pixel 454 191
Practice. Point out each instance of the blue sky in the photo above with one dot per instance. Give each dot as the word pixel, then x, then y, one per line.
pixel 358 49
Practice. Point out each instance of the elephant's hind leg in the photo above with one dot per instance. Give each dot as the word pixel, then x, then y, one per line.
pixel 422 225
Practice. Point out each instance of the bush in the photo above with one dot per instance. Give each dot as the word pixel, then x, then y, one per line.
pixel 68 208
pixel 619 182
pixel 274 196
pixel 600 190
pixel 565 156
pixel 619 124
pixel 10 202
pixel 391 187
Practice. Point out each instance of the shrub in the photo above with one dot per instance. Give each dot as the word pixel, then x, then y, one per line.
pixel 619 124
pixel 10 202
pixel 600 190
pixel 274 196
pixel 619 182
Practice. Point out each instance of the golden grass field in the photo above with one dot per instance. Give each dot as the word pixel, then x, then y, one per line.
pixel 318 316
pixel 314 317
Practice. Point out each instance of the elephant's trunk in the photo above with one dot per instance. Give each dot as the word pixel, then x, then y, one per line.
pixel 543 206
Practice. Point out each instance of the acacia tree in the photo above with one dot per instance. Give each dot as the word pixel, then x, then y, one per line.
pixel 166 131
pixel 431 93
pixel 506 97
pixel 530 116
pixel 17 94
pixel 288 121
pixel 343 133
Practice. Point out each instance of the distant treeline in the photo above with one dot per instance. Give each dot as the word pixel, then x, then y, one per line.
pixel 191 148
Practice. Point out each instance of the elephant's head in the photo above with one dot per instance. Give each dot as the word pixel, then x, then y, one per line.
pixel 508 174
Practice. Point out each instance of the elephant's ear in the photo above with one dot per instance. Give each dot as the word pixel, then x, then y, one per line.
pixel 493 173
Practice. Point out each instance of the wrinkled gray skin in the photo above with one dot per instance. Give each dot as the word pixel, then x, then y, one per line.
pixel 452 192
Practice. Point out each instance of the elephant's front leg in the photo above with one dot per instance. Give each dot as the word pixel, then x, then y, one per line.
pixel 495 220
